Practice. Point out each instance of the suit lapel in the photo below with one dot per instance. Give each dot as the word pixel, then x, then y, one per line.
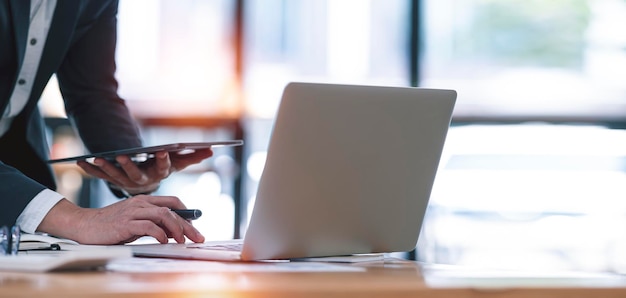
pixel 20 11
pixel 57 43
pixel 61 29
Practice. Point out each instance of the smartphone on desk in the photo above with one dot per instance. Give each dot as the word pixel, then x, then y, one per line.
pixel 143 154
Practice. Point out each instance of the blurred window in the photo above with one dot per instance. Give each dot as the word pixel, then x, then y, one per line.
pixel 514 58
pixel 348 41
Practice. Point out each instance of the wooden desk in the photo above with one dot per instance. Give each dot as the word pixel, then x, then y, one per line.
pixel 393 278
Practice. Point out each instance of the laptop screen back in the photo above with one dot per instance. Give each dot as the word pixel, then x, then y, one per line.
pixel 349 170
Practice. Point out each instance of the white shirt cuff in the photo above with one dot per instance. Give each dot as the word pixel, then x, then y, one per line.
pixel 37 209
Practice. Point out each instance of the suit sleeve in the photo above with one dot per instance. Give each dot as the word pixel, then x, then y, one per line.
pixel 21 195
pixel 89 88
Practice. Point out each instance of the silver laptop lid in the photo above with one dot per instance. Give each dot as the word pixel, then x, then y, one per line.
pixel 349 170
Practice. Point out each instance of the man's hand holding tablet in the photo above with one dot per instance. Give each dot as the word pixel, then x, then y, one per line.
pixel 140 170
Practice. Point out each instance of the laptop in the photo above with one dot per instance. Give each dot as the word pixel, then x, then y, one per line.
pixel 349 170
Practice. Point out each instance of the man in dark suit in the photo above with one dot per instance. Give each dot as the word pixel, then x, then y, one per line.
pixel 75 40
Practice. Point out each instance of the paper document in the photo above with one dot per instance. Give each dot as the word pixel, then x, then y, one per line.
pixel 68 260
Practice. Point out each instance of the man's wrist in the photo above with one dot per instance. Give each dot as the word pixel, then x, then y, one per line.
pixel 62 216
pixel 36 210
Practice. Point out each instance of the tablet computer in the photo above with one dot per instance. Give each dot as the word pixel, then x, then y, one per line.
pixel 140 154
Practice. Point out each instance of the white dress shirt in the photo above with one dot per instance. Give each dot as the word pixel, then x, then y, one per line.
pixel 41 13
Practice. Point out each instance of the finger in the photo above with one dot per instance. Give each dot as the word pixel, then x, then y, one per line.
pixel 112 171
pixel 163 164
pixel 192 233
pixel 163 201
pixel 181 161
pixel 157 209
pixel 164 218
pixel 132 171
pixel 92 170
pixel 189 231
pixel 147 228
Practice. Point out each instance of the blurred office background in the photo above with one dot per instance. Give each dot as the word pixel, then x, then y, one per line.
pixel 532 175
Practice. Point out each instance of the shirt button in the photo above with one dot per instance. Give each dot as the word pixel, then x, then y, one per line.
pixel 21 82
pixel 33 41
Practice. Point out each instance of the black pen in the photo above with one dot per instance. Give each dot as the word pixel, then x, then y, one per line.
pixel 188 213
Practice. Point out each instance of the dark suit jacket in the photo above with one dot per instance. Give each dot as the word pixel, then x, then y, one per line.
pixel 80 49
